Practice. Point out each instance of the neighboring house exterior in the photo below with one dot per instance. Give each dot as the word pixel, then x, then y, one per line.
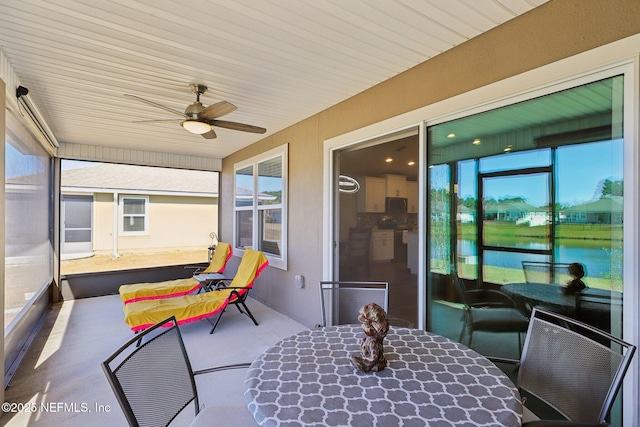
pixel 509 211
pixel 114 208
pixel 465 214
pixel 607 210
pixel 534 219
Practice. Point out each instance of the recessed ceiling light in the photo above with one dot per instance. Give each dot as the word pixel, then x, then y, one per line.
pixel 411 163
pixel 477 141
pixel 388 160
pixel 451 135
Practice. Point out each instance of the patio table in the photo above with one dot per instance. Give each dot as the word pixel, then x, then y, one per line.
pixel 552 297
pixel 206 277
pixel 308 380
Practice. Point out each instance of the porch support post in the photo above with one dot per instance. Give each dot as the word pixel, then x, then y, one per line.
pixel 115 225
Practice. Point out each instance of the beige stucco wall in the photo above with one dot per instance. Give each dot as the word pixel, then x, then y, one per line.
pixel 556 30
pixel 175 223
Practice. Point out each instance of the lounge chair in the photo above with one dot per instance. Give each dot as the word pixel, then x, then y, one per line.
pixel 174 288
pixel 189 308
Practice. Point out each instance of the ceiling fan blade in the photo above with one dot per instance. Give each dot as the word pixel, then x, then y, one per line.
pixel 209 135
pixel 155 104
pixel 159 121
pixel 237 126
pixel 216 110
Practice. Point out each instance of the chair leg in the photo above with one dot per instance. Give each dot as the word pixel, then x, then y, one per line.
pixel 215 324
pixel 520 344
pixel 248 313
pixel 463 319
pixel 464 329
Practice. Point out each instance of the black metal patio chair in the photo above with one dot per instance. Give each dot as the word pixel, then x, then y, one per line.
pixel 357 253
pixel 154 382
pixel 341 300
pixel 545 272
pixel 489 310
pixel 570 370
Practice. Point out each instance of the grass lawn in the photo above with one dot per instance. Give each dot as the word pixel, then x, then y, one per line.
pixel 509 230
pixel 503 276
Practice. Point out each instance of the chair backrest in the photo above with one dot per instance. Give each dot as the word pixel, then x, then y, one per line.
pixel 359 242
pixel 340 301
pixel 461 289
pixel 153 382
pixel 221 255
pixel 250 267
pixel 545 272
pixel 574 368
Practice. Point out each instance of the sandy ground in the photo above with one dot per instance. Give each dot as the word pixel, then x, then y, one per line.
pixel 129 261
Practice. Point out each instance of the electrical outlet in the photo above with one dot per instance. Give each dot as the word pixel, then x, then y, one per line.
pixel 299 281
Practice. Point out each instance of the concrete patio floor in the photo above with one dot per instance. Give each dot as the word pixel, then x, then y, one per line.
pixel 62 380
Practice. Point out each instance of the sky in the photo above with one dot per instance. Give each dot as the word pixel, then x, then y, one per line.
pixel 580 168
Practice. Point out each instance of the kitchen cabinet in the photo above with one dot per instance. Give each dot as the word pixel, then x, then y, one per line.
pixel 412 196
pixel 396 185
pixel 370 197
pixel 382 245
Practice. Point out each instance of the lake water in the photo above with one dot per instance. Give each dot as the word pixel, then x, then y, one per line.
pixel 597 260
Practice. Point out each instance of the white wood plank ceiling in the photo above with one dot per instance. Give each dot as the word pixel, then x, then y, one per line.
pixel 278 61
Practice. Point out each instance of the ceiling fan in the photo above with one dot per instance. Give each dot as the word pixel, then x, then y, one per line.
pixel 199 119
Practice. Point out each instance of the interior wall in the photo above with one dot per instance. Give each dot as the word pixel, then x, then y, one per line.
pixel 551 32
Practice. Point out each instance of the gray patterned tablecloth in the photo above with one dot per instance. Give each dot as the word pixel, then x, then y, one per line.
pixel 308 380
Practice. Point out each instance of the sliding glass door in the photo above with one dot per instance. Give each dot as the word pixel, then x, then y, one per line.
pixel 517 195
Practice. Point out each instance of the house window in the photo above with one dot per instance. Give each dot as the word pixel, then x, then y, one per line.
pixel 135 215
pixel 260 205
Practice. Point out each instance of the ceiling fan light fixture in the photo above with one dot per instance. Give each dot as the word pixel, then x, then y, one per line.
pixel 195 126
